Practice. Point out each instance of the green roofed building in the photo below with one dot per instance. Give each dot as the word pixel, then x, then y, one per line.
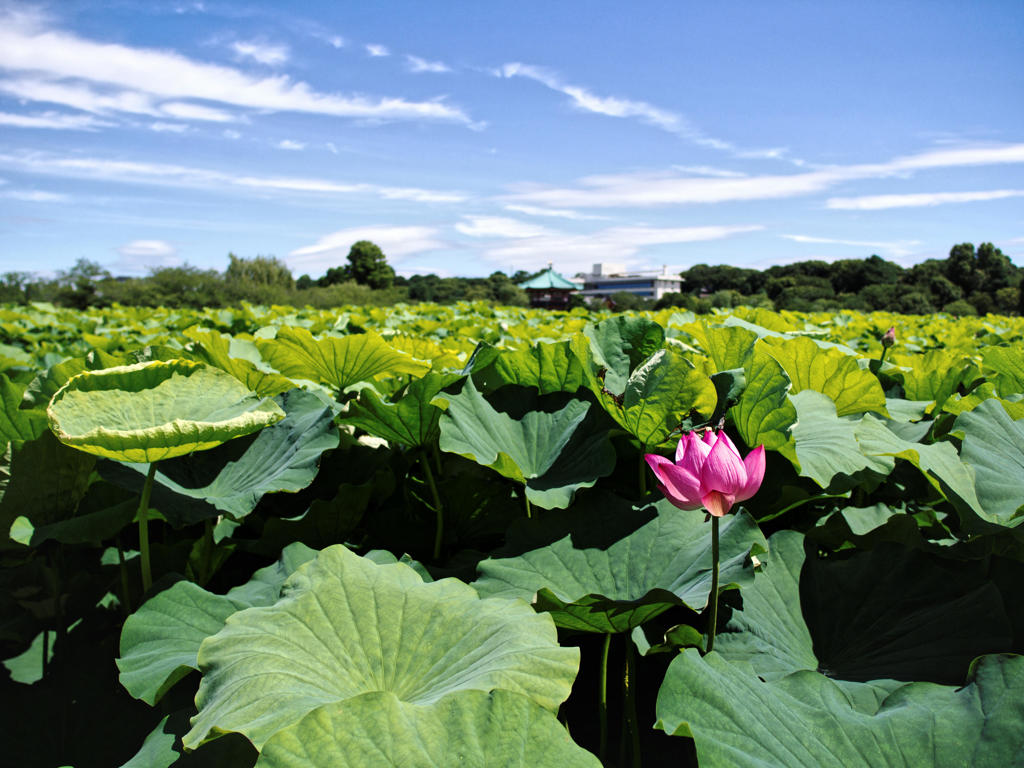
pixel 549 289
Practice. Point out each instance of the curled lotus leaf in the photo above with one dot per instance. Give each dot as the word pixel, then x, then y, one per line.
pixel 466 728
pixel 346 626
pixel 156 410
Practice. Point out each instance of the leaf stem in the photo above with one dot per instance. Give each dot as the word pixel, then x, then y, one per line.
pixel 713 617
pixel 143 515
pixel 526 500
pixel 438 510
pixel 126 605
pixel 602 698
pixel 629 687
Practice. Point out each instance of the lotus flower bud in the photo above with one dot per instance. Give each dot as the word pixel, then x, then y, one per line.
pixel 708 472
pixel 889 338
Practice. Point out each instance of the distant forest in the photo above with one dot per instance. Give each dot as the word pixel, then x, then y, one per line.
pixel 969 281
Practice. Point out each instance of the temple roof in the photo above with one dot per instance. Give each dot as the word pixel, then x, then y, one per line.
pixel 547 280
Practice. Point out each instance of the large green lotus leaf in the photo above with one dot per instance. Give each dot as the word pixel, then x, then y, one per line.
pixel 588 456
pixel 160 641
pixel 764 415
pixel 865 526
pixel 935 375
pixel 215 349
pixel 548 367
pixel 665 562
pixel 336 362
pixel 46 383
pixel 829 371
pixel 283 457
pixel 726 347
pixel 826 445
pixel 518 449
pixel 659 394
pixel 993 446
pixel 984 392
pixel 15 423
pixel 938 462
pixel 45 482
pixel 162 748
pixel 152 411
pixel 618 345
pixel 474 729
pixel 1007 365
pixel 410 421
pixel 90 528
pixel 889 613
pixel 739 721
pixel 347 626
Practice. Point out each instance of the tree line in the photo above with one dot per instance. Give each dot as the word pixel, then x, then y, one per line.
pixel 366 278
pixel 969 281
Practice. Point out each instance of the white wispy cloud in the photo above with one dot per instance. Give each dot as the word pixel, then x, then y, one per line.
pixel 895 247
pixel 171 175
pixel 140 257
pixel 613 106
pixel 655 188
pixel 416 64
pixel 500 226
pixel 578 252
pixel 115 77
pixel 228 133
pixel 78 96
pixel 185 111
pixel 295 146
pixel 271 54
pixel 162 127
pixel 708 170
pixel 331 250
pixel 331 148
pixel 54 121
pixel 34 196
pixel 147 248
pixel 376 50
pixel 918 200
pixel 558 213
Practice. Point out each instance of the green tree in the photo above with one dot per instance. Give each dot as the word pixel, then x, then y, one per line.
pixel 261 280
pixel 78 287
pixel 367 265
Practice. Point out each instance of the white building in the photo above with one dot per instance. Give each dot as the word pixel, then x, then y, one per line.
pixel 605 279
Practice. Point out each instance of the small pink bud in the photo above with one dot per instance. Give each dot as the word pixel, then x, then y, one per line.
pixel 890 337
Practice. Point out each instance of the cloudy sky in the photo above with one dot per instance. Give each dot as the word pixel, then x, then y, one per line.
pixel 466 137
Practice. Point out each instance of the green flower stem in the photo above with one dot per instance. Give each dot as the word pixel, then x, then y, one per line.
pixel 881 358
pixel 143 515
pixel 643 471
pixel 629 682
pixel 526 500
pixel 602 698
pixel 438 510
pixel 435 449
pixel 713 617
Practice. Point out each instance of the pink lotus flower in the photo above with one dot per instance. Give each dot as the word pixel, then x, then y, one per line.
pixel 708 473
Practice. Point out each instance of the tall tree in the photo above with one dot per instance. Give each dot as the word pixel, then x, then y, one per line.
pixel 367 265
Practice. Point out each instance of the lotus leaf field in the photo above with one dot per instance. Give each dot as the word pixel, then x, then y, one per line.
pixel 429 536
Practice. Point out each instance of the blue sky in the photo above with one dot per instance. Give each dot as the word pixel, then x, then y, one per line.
pixel 467 137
